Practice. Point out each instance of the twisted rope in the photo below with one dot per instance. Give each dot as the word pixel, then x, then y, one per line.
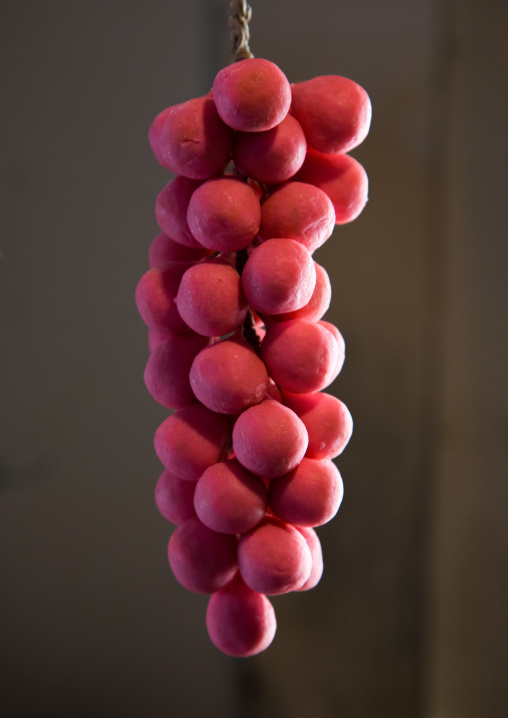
pixel 240 14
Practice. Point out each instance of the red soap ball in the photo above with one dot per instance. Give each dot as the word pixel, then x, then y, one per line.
pixel 171 210
pixel 327 420
pixel 252 95
pixel 269 439
pixel 335 112
pixel 301 356
pixel 157 336
pixel 274 558
pixel 299 211
pixel 174 498
pixel 224 214
pixel 155 298
pixel 191 440
pixel 191 140
pixel 202 560
pixel 341 356
pixel 211 299
pixel 342 178
pixel 230 499
pixel 309 495
pixel 272 156
pixel 317 305
pixel 164 250
pixel 314 545
pixel 240 621
pixel 228 376
pixel 167 371
pixel 273 391
pixel 279 276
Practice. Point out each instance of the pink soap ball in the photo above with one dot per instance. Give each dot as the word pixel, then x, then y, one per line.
pixel 314 545
pixel 211 299
pixel 157 336
pixel 155 298
pixel 317 305
pixel 335 112
pixel 228 376
pixel 269 439
pixel 298 211
pixel 230 499
pixel 273 391
pixel 224 214
pixel 341 356
pixel 327 420
pixel 174 498
pixel 279 276
pixel 274 558
pixel 342 178
pixel 272 156
pixel 301 356
pixel 252 95
pixel 164 250
pixel 167 371
pixel 191 140
pixel 202 560
pixel 240 621
pixel 309 495
pixel 191 440
pixel 171 210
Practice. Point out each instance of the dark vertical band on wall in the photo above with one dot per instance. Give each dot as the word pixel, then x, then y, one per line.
pixel 436 262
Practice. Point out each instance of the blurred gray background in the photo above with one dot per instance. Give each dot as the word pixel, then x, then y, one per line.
pixel 409 620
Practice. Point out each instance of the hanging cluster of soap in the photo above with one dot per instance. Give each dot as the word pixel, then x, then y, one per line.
pixel 234 304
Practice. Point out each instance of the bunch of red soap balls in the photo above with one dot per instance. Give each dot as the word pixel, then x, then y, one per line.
pixel 234 304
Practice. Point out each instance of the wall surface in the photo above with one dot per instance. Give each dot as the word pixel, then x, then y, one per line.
pixel 408 620
pixel 468 654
